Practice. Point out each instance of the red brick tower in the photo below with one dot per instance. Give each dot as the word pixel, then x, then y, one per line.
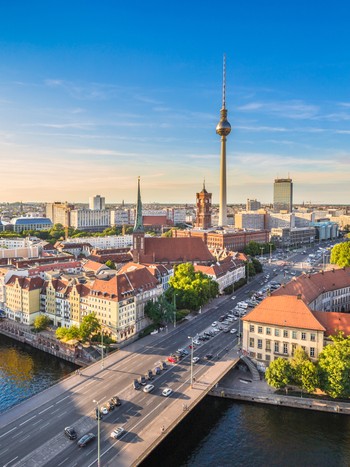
pixel 203 201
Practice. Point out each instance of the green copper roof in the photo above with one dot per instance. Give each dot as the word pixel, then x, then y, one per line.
pixel 138 227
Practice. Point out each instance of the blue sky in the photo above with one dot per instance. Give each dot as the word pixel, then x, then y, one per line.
pixel 93 94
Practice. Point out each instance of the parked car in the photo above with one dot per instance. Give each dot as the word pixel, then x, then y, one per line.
pixel 173 359
pixel 164 365
pixel 148 388
pixel 117 432
pixel 143 381
pixel 70 432
pixel 136 384
pixel 104 410
pixel 233 331
pixel 166 392
pixel 116 401
pixel 110 405
pixel 86 439
pixel 98 414
pixel 209 356
pixel 195 359
pixel 157 370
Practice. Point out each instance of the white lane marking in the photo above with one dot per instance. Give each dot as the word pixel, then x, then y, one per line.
pixel 26 421
pixel 3 451
pixel 33 424
pixel 26 437
pixel 57 410
pixel 58 465
pixel 58 402
pixel 8 432
pixel 44 426
pixel 10 461
pixel 61 414
pixel 47 408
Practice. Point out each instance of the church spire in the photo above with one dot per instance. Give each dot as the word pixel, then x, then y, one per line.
pixel 138 227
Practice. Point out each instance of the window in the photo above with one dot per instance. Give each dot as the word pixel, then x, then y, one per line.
pixel 251 328
pixel 285 348
pixel 260 329
pixel 268 331
pixel 267 358
pixel 277 332
pixel 259 343
pixel 294 346
pixel 268 345
pixel 251 342
pixel 259 356
pixel 285 333
pixel 312 351
pixel 294 335
pixel 312 337
pixel 277 347
pixel 303 336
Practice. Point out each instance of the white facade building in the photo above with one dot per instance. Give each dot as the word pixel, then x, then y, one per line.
pixel 87 219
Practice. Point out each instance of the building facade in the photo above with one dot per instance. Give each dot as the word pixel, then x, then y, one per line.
pixel 203 215
pixel 283 195
pixel 97 203
pixel 87 219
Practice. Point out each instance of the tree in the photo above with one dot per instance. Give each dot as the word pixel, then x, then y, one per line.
pixel 341 254
pixel 334 365
pixel 110 264
pixel 279 373
pixel 41 322
pixel 309 376
pixel 191 289
pixel 160 311
pixel 89 325
pixel 257 266
pixel 296 363
pixel 68 333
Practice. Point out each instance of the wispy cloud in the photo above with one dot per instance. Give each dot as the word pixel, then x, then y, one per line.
pixel 294 109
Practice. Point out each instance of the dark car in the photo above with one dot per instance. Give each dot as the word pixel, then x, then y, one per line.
pixel 136 384
pixel 164 365
pixel 157 370
pixel 209 356
pixel 110 405
pixel 86 439
pixel 70 432
pixel 116 401
pixel 143 381
pixel 149 375
pixel 98 414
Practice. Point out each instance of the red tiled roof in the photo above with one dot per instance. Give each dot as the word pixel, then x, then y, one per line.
pixel 175 250
pixel 155 220
pixel 333 322
pixel 286 311
pixel 93 265
pixel 310 286
pixel 29 283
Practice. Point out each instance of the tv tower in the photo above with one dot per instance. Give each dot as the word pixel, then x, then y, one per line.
pixel 223 129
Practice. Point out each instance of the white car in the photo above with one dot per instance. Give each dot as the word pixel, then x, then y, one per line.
pixel 197 342
pixel 148 388
pixel 166 392
pixel 117 432
pixel 214 324
pixel 233 331
pixel 195 359
pixel 234 297
pixel 104 410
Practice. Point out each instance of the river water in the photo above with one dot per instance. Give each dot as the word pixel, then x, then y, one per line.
pixel 217 433
pixel 24 371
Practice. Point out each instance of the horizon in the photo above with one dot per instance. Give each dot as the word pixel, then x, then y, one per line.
pixel 91 97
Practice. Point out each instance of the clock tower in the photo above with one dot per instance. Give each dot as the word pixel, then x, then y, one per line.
pixel 203 202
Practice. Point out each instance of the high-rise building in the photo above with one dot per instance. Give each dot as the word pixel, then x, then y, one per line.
pixel 223 129
pixel 253 205
pixel 283 195
pixel 203 201
pixel 59 213
pixel 96 203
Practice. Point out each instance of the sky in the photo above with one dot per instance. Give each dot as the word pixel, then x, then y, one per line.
pixel 94 94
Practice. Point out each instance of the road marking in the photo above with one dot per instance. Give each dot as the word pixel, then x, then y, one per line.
pixel 44 426
pixel 33 424
pixel 2 452
pixel 8 432
pixel 26 437
pixel 58 402
pixel 58 465
pixel 11 461
pixel 47 408
pixel 31 418
pixel 57 410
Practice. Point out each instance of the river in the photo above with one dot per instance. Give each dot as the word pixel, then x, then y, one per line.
pixel 217 433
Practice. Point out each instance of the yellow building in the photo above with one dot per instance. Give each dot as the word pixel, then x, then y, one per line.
pixel 23 298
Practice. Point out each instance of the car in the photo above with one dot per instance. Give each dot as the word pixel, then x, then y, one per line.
pixel 98 414
pixel 86 439
pixel 70 432
pixel 233 297
pixel 184 351
pixel 116 401
pixel 157 371
pixel 163 365
pixel 173 359
pixel 143 381
pixel 226 329
pixel 195 359
pixel 209 356
pixel 117 432
pixel 104 410
pixel 214 324
pixel 166 392
pixel 233 331
pixel 148 388
pixel 149 375
pixel 136 384
pixel 196 342
pixel 110 405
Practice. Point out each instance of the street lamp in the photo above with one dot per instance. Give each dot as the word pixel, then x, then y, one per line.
pixel 174 310
pixel 261 252
pixel 98 432
pixel 191 360
pixel 270 251
pixel 102 362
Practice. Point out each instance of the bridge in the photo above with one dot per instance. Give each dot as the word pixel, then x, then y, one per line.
pixel 32 433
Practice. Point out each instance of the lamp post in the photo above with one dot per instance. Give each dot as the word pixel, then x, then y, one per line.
pixel 261 252
pixel 102 362
pixel 174 310
pixel 191 360
pixel 270 251
pixel 98 432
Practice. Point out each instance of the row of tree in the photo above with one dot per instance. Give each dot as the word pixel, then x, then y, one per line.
pixel 88 327
pixel 255 249
pixel 330 374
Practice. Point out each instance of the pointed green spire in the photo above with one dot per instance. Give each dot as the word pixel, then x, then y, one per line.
pixel 138 227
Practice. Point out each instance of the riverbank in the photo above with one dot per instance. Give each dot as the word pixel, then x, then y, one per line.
pixel 240 385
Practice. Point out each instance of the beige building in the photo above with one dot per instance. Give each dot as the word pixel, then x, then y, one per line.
pixel 23 298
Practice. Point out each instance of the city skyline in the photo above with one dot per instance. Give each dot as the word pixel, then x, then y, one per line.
pixel 92 97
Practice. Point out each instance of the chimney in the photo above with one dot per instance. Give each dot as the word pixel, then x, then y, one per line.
pixel 299 296
pixel 322 272
pixel 333 270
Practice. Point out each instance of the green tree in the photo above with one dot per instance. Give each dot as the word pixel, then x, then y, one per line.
pixel 68 333
pixel 160 311
pixel 41 322
pixel 257 266
pixel 89 325
pixel 296 363
pixel 190 288
pixel 309 376
pixel 110 264
pixel 279 373
pixel 334 365
pixel 341 254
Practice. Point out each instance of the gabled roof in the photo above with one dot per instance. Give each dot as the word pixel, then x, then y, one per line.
pixel 27 283
pixel 310 286
pixel 286 311
pixel 94 266
pixel 333 322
